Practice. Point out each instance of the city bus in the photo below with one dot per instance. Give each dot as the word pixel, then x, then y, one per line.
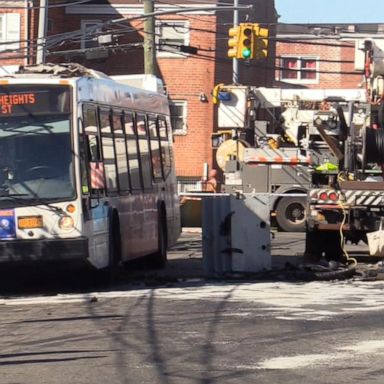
pixel 87 169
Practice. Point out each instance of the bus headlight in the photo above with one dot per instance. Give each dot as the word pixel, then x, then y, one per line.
pixel 66 223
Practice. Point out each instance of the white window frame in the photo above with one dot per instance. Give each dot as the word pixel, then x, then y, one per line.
pixel 299 71
pixel 84 25
pixel 184 36
pixel 3 28
pixel 10 31
pixel 184 105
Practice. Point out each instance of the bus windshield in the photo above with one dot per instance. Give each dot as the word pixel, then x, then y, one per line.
pixel 35 153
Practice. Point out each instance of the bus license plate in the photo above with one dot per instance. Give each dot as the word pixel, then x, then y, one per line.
pixel 30 222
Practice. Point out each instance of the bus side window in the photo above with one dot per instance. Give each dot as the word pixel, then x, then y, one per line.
pixel 155 149
pixel 108 151
pixel 146 166
pixel 165 147
pixel 133 155
pixel 89 146
pixel 93 147
pixel 121 153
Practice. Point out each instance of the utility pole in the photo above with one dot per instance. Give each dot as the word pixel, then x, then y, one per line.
pixel 235 62
pixel 42 31
pixel 149 39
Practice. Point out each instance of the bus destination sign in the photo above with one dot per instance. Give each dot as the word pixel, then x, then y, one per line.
pixel 21 100
pixel 7 102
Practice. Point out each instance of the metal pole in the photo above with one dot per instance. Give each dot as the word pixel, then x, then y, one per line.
pixel 149 38
pixel 42 31
pixel 235 62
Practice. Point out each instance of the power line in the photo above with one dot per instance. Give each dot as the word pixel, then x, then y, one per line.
pixel 108 23
pixel 161 47
pixel 58 5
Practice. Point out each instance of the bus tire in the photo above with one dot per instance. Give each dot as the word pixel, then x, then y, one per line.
pixel 159 258
pixel 291 214
pixel 114 240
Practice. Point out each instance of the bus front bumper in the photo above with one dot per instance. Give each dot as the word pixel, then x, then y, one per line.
pixel 43 250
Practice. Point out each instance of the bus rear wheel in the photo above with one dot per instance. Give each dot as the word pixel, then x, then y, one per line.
pixel 290 214
pixel 159 258
pixel 114 243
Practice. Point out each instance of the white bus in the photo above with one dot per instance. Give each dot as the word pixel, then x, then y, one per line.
pixel 86 167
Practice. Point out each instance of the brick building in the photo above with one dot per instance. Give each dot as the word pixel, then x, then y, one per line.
pixel 307 56
pixel 189 76
pixel 14 24
pixel 321 56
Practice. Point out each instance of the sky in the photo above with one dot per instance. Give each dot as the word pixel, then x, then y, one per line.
pixel 330 11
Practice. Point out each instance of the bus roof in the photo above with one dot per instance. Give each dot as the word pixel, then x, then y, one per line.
pixel 92 86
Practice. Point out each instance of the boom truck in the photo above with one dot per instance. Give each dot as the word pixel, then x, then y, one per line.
pixel 348 203
pixel 275 141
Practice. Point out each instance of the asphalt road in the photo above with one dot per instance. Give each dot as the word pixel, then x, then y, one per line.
pixel 176 326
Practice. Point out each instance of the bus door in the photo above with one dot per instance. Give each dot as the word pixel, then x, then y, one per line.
pixel 96 211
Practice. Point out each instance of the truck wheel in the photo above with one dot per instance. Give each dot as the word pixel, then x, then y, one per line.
pixel 325 244
pixel 290 214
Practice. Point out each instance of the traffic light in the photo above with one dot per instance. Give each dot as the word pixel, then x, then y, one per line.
pixel 248 41
pixel 246 46
pixel 260 35
pixel 233 41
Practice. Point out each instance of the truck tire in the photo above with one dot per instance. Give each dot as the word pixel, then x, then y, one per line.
pixel 290 214
pixel 323 244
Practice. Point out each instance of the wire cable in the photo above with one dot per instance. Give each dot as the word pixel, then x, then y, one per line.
pixel 58 5
pixel 350 260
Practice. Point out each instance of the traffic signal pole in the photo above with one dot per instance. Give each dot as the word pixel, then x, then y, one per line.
pixel 149 39
pixel 235 62
pixel 42 31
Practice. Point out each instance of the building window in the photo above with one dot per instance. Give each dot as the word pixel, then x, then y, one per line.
pixel 89 33
pixel 299 69
pixel 178 110
pixel 170 35
pixel 9 31
pixel 2 29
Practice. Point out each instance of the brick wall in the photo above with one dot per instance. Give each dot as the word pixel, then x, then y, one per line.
pixel 18 56
pixel 187 77
pixel 336 62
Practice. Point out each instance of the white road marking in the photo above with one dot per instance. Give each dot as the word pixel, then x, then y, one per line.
pixel 358 351
pixel 286 301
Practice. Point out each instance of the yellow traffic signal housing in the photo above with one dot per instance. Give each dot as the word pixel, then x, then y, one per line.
pixel 246 41
pixel 233 41
pixel 260 34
